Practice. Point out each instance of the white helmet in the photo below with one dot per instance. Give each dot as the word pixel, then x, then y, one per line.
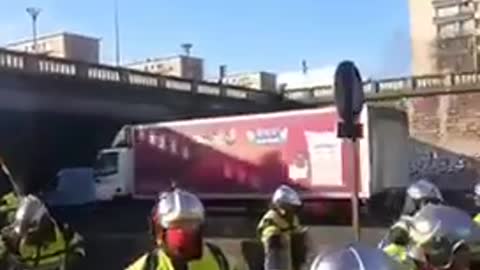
pixel 424 189
pixel 286 195
pixel 179 205
pixel 476 190
pixel 355 257
pixel 29 214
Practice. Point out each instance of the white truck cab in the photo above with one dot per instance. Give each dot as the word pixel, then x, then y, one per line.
pixel 114 173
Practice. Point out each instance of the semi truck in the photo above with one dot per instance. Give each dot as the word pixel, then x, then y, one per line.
pixel 236 162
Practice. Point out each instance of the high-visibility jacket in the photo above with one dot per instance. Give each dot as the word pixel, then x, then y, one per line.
pixel 400 254
pixel 213 259
pixel 276 235
pixel 476 219
pixel 8 205
pixel 54 255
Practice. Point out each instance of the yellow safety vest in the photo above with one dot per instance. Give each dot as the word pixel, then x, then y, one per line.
pixel 273 224
pixel 51 255
pixel 207 262
pixel 400 254
pixel 8 205
pixel 476 219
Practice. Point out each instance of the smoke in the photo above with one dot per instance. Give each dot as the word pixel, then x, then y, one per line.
pixel 396 57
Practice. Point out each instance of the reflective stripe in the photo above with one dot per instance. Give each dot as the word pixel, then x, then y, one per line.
pixel 273 219
pixel 358 258
pixel 397 252
pixel 400 254
pixel 207 262
pixel 476 219
pixel 49 256
pixel 272 223
pixel 76 244
pixel 9 203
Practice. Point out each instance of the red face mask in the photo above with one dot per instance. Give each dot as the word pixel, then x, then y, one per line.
pixel 183 243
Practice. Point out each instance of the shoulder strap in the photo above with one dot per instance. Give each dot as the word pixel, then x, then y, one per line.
pixel 151 262
pixel 219 256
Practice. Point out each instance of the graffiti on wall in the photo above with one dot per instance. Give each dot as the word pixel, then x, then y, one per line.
pixel 433 164
pixel 445 132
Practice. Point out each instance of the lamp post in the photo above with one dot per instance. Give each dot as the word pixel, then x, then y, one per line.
pixel 117 32
pixel 34 12
pixel 187 47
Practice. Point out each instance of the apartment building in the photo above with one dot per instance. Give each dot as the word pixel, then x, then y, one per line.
pixel 63 45
pixel 444 35
pixel 179 66
pixel 256 80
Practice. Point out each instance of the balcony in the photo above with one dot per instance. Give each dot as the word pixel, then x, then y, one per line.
pixel 459 34
pixel 446 3
pixel 463 15
pixel 454 52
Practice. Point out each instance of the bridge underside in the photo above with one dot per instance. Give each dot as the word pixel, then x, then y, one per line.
pixel 47 124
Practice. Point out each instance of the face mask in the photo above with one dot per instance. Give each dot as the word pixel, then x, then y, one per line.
pixel 185 244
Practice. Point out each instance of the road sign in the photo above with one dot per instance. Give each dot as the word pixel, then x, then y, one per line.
pixel 349 99
pixel 349 96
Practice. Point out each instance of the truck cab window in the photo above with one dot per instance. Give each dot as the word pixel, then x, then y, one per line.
pixel 106 164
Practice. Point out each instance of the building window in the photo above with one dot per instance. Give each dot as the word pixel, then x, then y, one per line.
pixel 447 11
pixel 467 25
pixel 448 30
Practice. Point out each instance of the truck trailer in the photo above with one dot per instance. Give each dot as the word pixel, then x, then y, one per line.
pixel 236 162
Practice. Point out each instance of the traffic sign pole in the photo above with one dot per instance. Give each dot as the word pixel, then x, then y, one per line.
pixel 349 100
pixel 354 177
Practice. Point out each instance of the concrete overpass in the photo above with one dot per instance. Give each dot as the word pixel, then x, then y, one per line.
pixel 37 83
pixel 396 88
pixel 57 113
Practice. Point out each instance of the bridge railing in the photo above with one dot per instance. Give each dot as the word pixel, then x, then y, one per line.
pixel 39 64
pixel 44 65
pixel 414 84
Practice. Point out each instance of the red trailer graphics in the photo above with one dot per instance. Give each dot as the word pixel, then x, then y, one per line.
pixel 249 156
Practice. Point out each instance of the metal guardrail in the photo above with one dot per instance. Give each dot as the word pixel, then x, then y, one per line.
pixel 377 89
pixel 40 64
pixel 399 87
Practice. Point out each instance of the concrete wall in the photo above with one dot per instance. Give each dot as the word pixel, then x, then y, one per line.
pixel 445 133
pixel 388 128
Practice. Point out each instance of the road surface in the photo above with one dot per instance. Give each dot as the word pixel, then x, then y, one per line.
pixel 116 250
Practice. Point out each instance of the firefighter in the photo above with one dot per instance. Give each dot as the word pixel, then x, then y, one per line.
pixel 397 241
pixel 35 241
pixel 355 257
pixel 281 233
pixel 8 197
pixel 446 254
pixel 179 219
pixel 419 194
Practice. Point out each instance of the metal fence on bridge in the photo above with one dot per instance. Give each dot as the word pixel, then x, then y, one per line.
pixel 376 89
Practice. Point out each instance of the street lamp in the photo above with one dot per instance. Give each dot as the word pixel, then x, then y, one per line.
pixel 186 48
pixel 34 12
pixel 117 32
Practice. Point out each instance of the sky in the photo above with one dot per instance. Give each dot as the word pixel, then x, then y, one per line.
pixel 247 35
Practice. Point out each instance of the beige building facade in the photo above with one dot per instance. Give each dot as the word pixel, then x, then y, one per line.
pixel 178 66
pixel 256 80
pixel 62 45
pixel 444 35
